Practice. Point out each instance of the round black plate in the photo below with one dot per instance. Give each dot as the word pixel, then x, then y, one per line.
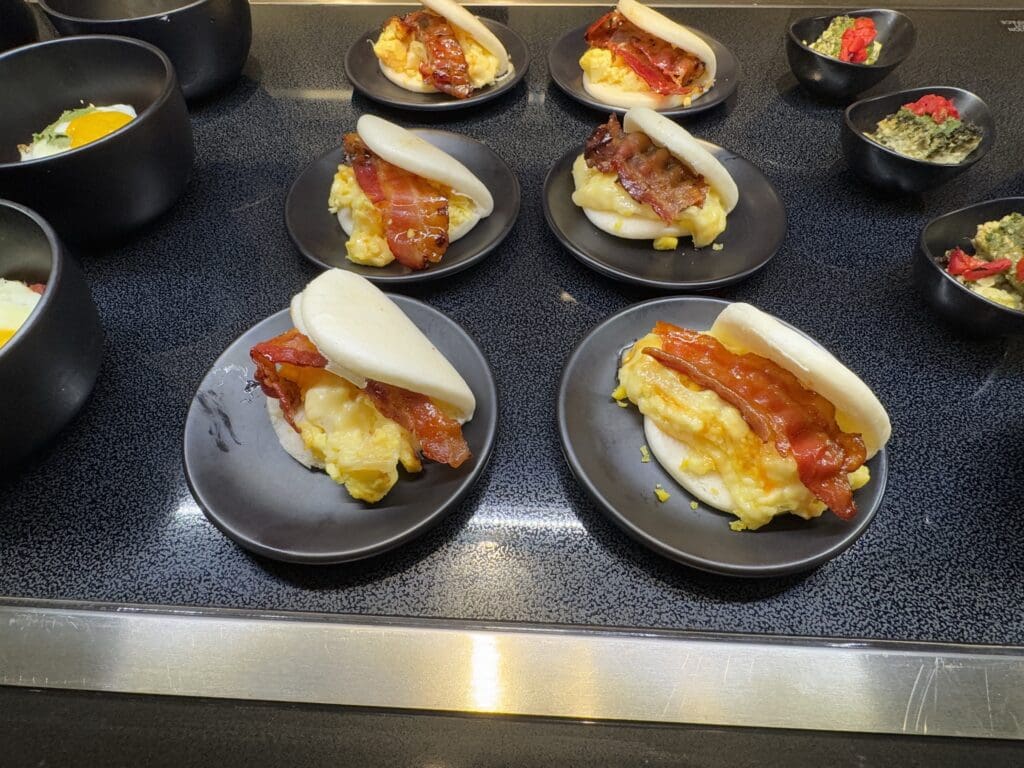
pixel 602 443
pixel 318 235
pixel 564 64
pixel 267 502
pixel 363 71
pixel 755 230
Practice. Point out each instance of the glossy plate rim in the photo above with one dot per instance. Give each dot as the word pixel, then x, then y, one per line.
pixel 655 544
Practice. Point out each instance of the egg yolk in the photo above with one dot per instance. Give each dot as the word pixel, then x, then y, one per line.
pixel 95 125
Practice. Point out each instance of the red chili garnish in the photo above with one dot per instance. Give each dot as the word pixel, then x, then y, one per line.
pixel 939 108
pixel 856 39
pixel 1020 270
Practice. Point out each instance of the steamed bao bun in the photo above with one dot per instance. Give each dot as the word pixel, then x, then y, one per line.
pixel 610 208
pixel 400 54
pixel 469 200
pixel 609 79
pixel 707 447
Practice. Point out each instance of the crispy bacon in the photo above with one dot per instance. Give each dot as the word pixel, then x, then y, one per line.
pixel 649 173
pixel 39 288
pixel 445 67
pixel 778 409
pixel 439 436
pixel 666 69
pixel 415 214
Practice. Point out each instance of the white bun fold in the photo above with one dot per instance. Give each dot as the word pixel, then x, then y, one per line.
pixel 671 453
pixel 607 93
pixel 632 227
pixel 405 149
pixel 364 335
pixel 744 328
pixel 465 20
pixel 402 80
pixel 291 440
pixel 662 27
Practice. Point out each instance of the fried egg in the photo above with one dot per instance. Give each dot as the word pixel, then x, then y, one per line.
pixel 362 221
pixel 711 443
pixel 17 301
pixel 598 191
pixel 401 54
pixel 76 128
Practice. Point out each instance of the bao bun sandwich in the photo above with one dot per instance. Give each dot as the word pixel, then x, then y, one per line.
pixel 356 389
pixel 443 49
pixel 638 57
pixel 649 179
pixel 400 197
pixel 753 418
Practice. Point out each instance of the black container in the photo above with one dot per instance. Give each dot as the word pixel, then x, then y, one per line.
pixel 960 305
pixel 208 40
pixel 49 367
pixel 833 79
pixel 107 188
pixel 888 169
pixel 17 25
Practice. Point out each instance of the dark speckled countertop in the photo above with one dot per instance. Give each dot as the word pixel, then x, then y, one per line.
pixel 105 514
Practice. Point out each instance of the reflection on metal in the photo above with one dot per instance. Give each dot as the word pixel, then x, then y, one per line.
pixel 968 691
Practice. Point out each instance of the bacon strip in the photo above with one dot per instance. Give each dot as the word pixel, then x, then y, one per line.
pixel 445 67
pixel 776 407
pixel 439 436
pixel 666 69
pixel 39 288
pixel 649 173
pixel 415 214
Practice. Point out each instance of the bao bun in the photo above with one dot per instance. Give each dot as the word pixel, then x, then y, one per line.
pixel 743 328
pixel 662 27
pixel 685 148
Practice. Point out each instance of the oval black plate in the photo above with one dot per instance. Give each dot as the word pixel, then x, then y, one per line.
pixel 267 502
pixel 320 238
pixel 363 70
pixel 564 64
pixel 602 443
pixel 755 230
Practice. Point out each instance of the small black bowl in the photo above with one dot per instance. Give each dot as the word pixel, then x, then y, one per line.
pixel 49 367
pixel 17 24
pixel 959 304
pixel 833 79
pixel 107 188
pixel 888 169
pixel 208 40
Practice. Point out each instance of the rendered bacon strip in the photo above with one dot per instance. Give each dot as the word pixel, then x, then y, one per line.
pixel 649 173
pixel 776 407
pixel 415 214
pixel 445 68
pixel 666 69
pixel 290 347
pixel 439 435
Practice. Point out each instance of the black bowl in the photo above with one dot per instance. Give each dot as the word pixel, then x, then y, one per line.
pixel 888 169
pixel 17 24
pixel 960 305
pixel 112 186
pixel 48 368
pixel 208 40
pixel 830 78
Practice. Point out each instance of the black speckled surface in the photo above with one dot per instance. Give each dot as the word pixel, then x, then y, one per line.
pixel 105 514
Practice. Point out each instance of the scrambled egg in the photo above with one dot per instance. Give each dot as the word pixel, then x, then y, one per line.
pixel 17 301
pixel 360 448
pixel 399 49
pixel 603 66
pixel 368 244
pixel 762 483
pixel 602 192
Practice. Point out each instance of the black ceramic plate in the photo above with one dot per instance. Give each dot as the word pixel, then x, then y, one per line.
pixel 755 231
pixel 564 64
pixel 267 502
pixel 602 445
pixel 363 70
pixel 318 235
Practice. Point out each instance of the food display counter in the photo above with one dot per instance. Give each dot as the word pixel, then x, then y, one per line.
pixel 115 581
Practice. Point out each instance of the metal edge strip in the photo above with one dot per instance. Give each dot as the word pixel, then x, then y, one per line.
pixel 524 670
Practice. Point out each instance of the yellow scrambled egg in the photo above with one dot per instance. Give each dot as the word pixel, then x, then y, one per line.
pixel 602 192
pixel 360 448
pixel 762 483
pixel 603 66
pixel 398 49
pixel 367 244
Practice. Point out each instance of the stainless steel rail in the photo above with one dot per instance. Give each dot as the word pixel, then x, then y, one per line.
pixel 590 674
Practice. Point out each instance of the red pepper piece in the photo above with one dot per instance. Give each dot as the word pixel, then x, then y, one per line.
pixel 856 39
pixel 961 262
pixel 1020 270
pixel 990 268
pixel 938 107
